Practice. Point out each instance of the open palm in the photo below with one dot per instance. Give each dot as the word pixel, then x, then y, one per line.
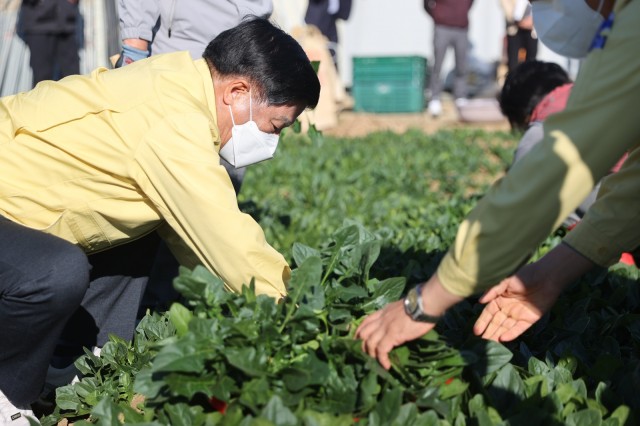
pixel 513 306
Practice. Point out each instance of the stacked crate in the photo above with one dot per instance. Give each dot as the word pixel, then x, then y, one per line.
pixel 389 84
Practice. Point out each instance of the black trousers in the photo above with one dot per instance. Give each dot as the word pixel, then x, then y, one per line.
pixel 53 296
pixel 522 40
pixel 53 56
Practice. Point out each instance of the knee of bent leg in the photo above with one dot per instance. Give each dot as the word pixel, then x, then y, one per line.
pixel 69 272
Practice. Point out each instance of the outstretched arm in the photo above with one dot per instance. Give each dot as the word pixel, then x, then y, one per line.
pixel 519 301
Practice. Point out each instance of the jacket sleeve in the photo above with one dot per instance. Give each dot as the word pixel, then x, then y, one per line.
pixel 137 18
pixel 610 226
pixel 193 193
pixel 580 145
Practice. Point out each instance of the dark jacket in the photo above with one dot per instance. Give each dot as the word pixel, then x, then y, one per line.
pixel 450 13
pixel 48 17
pixel 317 15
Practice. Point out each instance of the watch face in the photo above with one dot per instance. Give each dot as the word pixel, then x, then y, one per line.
pixel 411 301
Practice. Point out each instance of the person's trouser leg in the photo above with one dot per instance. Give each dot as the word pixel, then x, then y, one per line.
pixel 440 44
pixel 67 56
pixel 531 45
pixel 42 281
pixel 110 306
pixel 460 41
pixel 513 49
pixel 160 294
pixel 42 55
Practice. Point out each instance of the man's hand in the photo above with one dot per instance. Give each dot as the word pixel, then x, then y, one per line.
pixel 513 307
pixel 391 326
pixel 526 23
pixel 132 50
pixel 519 301
pixel 387 328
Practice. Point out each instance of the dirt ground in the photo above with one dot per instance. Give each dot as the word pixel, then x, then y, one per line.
pixel 357 124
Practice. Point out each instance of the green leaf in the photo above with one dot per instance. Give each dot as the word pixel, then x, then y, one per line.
pixel 107 412
pixel 369 390
pixel 145 384
pixel 182 414
pixel 621 415
pixel 250 361
pixel 429 418
pixel 346 293
pixel 180 317
pixel 302 252
pixel 491 356
pixel 278 414
pixel 67 398
pixel 307 372
pixel 507 390
pixel 314 134
pixel 256 393
pixel 584 417
pixel 453 388
pixel 391 288
pixel 407 415
pixel 296 127
pixel 304 279
pixel 314 418
pixel 389 406
pixel 386 291
pixel 186 355
pixel 479 411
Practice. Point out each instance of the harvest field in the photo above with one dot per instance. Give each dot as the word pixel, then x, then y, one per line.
pixel 361 220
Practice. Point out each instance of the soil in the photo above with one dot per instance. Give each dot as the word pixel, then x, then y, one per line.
pixel 358 124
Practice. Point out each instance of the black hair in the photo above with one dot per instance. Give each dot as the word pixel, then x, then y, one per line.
pixel 525 87
pixel 270 58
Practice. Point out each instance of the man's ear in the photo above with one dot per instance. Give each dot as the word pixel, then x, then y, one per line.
pixel 234 89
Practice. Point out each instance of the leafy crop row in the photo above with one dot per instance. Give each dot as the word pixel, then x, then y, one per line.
pixel 360 220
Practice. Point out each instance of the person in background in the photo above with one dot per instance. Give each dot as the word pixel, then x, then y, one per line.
pixel 533 91
pixel 50 30
pixel 527 86
pixel 451 19
pixel 579 147
pixel 109 168
pixel 324 14
pixel 522 43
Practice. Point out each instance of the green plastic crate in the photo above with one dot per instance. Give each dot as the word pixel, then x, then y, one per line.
pixel 389 83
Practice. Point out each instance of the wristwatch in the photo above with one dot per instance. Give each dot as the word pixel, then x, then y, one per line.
pixel 413 306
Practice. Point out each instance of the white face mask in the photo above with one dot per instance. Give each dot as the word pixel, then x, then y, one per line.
pixel 567 27
pixel 248 144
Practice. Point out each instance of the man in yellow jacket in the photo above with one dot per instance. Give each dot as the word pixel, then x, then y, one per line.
pixel 580 146
pixel 92 162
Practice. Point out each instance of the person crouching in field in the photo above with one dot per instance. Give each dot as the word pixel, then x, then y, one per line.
pixel 90 163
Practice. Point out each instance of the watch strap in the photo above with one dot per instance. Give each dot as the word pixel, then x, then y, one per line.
pixel 419 314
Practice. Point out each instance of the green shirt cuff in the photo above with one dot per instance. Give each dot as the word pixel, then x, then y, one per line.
pixel 593 244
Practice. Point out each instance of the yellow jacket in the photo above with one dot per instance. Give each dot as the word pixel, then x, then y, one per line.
pixel 580 145
pixel 102 159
